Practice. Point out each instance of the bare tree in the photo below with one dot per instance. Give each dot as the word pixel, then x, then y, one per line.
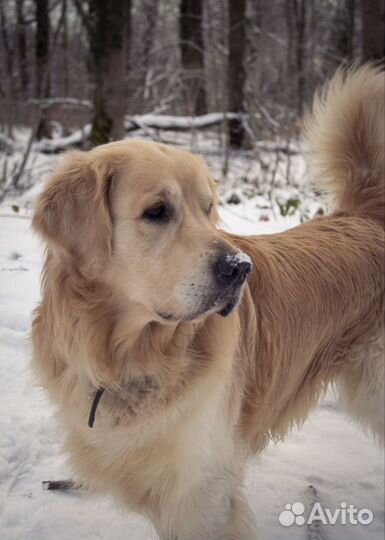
pixel 192 54
pixel 21 40
pixel 345 43
pixel 236 73
pixel 7 85
pixel 146 38
pixel 257 58
pixel 42 78
pixel 107 27
pixel 341 46
pixel 373 29
pixel 299 11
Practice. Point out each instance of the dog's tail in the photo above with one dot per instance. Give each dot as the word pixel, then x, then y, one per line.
pixel 346 136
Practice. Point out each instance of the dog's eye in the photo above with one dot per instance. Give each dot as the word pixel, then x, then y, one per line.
pixel 159 212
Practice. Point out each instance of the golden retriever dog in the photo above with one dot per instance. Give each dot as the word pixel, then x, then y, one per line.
pixel 174 350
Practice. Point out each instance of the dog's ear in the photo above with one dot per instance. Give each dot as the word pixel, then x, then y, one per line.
pixel 72 213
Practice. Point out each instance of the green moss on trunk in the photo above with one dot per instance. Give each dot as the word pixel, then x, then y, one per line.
pixel 101 128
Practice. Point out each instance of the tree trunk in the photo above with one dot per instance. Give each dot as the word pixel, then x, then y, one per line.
pixel 65 48
pixel 21 40
pixel 311 14
pixel 192 54
pixel 258 49
pixel 351 8
pixel 150 11
pixel 373 44
pixel 8 91
pixel 150 8
pixel 300 23
pixel 236 73
pixel 342 35
pixel 290 65
pixel 42 83
pixel 107 32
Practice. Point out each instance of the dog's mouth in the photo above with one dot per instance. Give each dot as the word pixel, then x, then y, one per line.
pixel 223 303
pixel 229 307
pixel 228 300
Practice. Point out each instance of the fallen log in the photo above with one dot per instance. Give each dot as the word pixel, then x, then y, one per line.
pixel 134 123
pixel 176 123
pixel 144 122
pixel 55 146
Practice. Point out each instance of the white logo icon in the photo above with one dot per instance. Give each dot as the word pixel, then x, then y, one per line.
pixel 292 514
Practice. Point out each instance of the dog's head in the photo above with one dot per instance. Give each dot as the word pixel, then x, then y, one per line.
pixel 142 216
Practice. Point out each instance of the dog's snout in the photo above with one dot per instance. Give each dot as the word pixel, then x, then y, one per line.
pixel 232 268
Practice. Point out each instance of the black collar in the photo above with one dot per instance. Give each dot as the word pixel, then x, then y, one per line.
pixel 94 406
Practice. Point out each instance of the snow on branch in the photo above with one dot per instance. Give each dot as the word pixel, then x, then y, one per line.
pixel 46 103
pixel 7 144
pixel 139 122
pixel 175 123
pixel 133 123
pixel 55 146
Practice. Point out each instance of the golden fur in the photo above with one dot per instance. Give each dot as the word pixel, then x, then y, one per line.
pixel 190 394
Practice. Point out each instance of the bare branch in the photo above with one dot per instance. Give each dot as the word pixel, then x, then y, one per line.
pixel 83 14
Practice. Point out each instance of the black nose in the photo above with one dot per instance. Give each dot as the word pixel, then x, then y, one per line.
pixel 232 268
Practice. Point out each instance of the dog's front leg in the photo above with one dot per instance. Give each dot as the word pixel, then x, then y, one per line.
pixel 241 523
pixel 207 515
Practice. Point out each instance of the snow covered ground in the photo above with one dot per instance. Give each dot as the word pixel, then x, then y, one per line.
pixel 329 453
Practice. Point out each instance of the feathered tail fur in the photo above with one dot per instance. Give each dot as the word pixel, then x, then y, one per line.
pixel 346 136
